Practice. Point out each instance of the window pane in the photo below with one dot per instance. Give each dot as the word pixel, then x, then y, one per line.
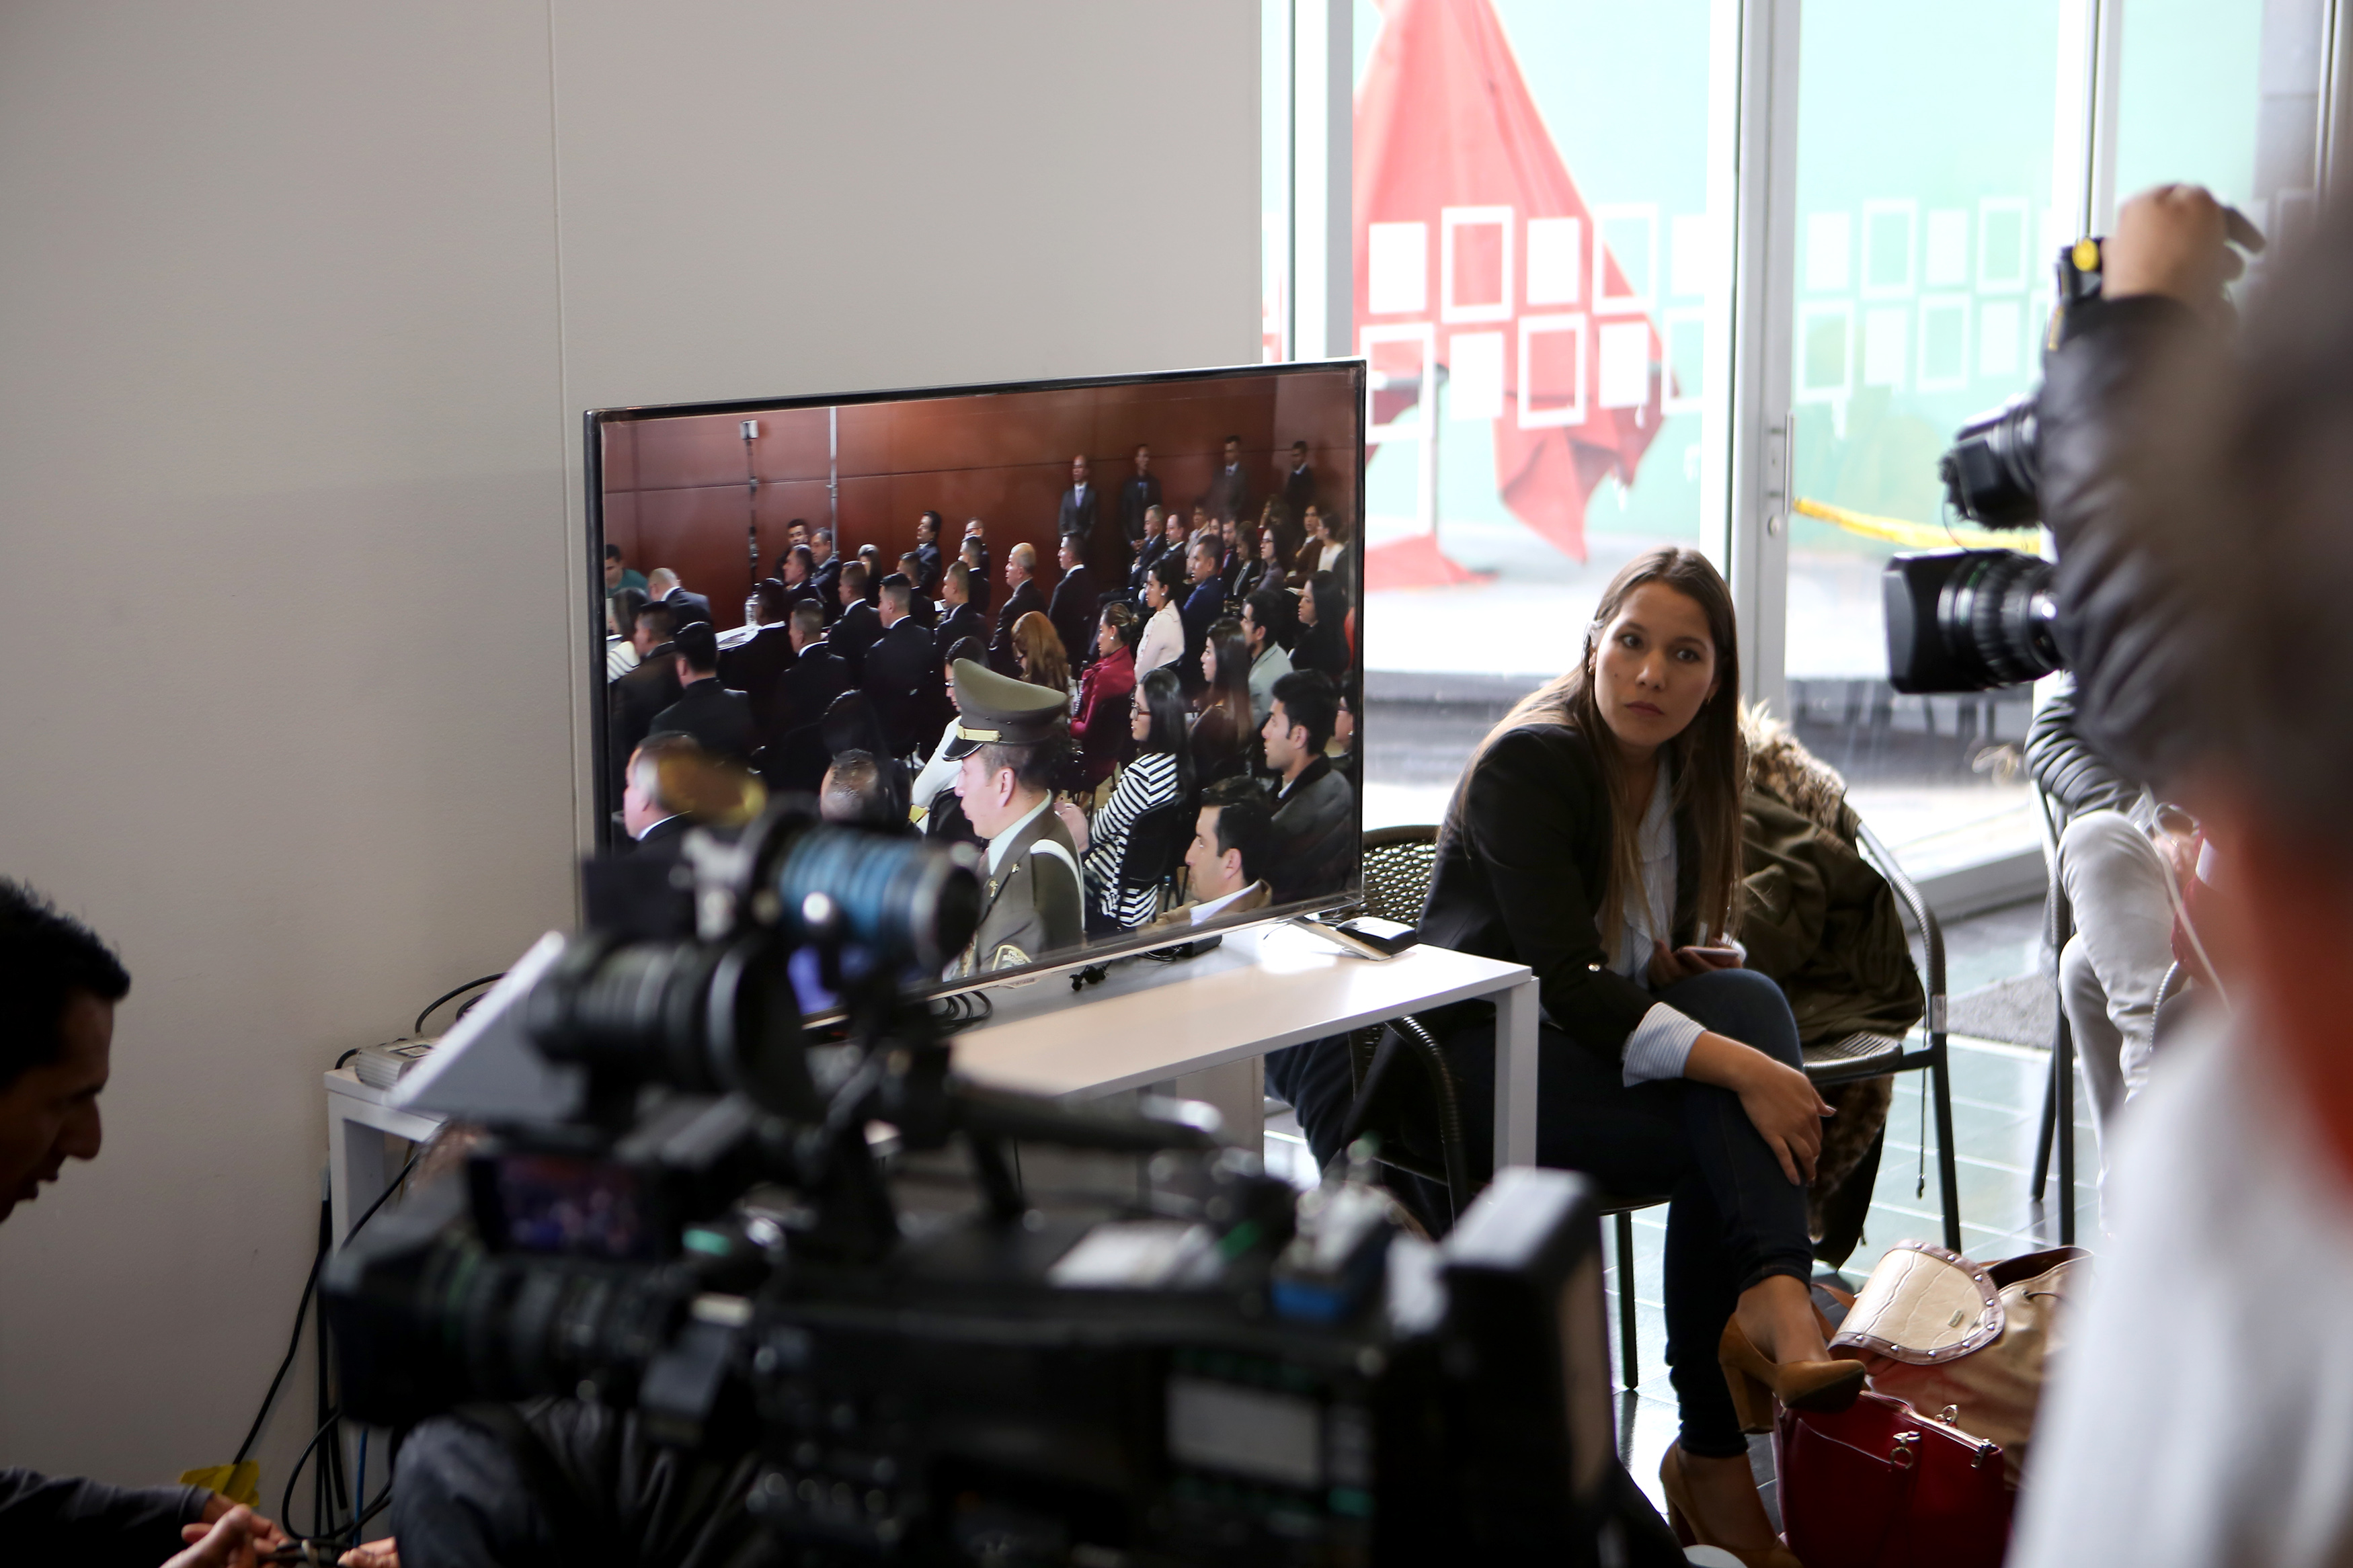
pixel 1535 269
pixel 1924 142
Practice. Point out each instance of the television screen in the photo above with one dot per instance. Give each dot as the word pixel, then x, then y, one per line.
pixel 1102 631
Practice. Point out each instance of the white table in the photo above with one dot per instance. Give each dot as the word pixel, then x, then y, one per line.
pixel 1266 988
pixel 358 1168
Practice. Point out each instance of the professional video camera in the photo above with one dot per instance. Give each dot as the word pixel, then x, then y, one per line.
pixel 720 1230
pixel 1971 620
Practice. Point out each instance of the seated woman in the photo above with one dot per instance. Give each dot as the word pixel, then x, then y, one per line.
pixel 1038 652
pixel 1164 634
pixel 1322 641
pixel 1162 771
pixel 1596 838
pixel 1101 724
pixel 1266 569
pixel 1225 741
pixel 939 810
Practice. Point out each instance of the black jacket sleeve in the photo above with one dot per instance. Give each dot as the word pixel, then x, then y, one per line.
pixel 63 1520
pixel 2124 619
pixel 2069 769
pixel 1536 823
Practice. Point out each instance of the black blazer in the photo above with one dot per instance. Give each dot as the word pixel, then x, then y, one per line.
pixel 1023 600
pixel 631 704
pixel 751 667
pixel 929 555
pixel 687 606
pixel 860 626
pixel 1298 488
pixel 900 675
pixel 983 583
pixel 961 623
pixel 1522 863
pixel 1073 614
pixel 1136 496
pixel 1079 516
pixel 1228 494
pixel 719 720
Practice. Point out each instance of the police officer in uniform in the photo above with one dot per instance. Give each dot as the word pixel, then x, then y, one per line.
pixel 1008 736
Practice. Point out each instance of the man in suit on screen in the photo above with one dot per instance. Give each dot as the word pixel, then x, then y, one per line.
pixel 1139 493
pixel 858 624
pixel 1074 604
pixel 1021 597
pixel 1228 493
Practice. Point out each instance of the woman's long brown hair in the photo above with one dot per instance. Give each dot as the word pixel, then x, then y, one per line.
pixel 1709 757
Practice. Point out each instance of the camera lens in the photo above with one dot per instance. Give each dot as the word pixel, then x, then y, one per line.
pixel 901 898
pixel 1995 466
pixel 1996 615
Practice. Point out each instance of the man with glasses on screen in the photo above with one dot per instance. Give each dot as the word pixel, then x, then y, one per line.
pixel 1008 736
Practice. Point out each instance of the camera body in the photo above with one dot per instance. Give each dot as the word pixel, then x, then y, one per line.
pixel 1971 620
pixel 1200 1366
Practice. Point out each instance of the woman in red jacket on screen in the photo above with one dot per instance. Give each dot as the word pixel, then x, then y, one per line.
pixel 1101 724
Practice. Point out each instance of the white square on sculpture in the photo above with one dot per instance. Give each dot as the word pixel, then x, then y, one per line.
pixel 1948 261
pixel 1475 376
pixel 1624 374
pixel 1998 330
pixel 1397 264
pixel 1555 260
pixel 1943 362
pixel 1830 237
pixel 1885 329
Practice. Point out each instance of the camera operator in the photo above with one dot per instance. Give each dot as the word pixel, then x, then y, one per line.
pixel 2203 1406
pixel 58 986
pixel 2119 848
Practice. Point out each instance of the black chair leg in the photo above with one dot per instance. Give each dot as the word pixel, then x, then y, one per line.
pixel 1948 1179
pixel 2050 1121
pixel 2063 1068
pixel 1626 1353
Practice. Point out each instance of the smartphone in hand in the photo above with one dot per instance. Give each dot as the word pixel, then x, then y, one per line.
pixel 1713 957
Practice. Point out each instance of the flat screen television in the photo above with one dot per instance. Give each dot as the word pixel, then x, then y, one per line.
pixel 747 515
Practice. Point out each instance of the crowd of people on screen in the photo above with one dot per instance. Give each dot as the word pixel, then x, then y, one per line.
pixel 1203 676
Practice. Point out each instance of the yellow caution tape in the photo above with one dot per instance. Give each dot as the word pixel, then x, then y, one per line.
pixel 240 1482
pixel 1900 530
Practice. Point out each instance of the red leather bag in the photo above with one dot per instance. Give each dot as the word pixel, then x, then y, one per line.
pixel 1878 1485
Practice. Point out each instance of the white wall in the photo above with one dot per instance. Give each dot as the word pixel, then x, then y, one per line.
pixel 298 306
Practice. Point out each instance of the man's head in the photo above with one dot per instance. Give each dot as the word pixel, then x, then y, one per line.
pixel 661 582
pixel 927 528
pixel 58 985
pixel 696 647
pixel 807 623
pixel 772 602
pixel 1299 721
pixel 801 561
pixel 853 583
pixel 973 528
pixel 1202 563
pixel 645 799
pixel 796 531
pixel 955 585
pixel 1299 454
pixel 898 595
pixel 1230 840
pixel 653 626
pixel 1078 471
pixel 1020 564
pixel 1155 519
pixel 614 566
pixel 1230 531
pixel 1233 450
pixel 1143 459
pixel 1264 615
pixel 1066 554
pixel 971 550
pixel 1172 525
pixel 1008 735
pixel 852 792
pixel 821 544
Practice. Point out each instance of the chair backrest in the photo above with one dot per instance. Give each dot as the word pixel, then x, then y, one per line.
pixel 1156 841
pixel 1398 862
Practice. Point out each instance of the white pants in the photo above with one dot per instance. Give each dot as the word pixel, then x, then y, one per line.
pixel 2112 965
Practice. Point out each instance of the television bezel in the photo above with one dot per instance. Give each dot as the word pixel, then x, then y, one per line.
pixel 1091 952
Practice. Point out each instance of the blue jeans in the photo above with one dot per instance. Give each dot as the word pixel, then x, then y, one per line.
pixel 1733 1219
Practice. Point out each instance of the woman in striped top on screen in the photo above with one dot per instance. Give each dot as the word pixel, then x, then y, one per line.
pixel 1162 771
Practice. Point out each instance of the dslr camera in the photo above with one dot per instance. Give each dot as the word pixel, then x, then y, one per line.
pixel 811 1244
pixel 1971 620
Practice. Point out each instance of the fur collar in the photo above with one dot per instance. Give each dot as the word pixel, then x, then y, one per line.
pixel 1793 776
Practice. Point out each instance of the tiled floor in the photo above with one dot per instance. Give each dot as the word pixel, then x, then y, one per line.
pixel 1996 1105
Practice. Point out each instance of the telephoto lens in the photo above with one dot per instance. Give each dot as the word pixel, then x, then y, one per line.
pixel 904 901
pixel 1995 465
pixel 1969 620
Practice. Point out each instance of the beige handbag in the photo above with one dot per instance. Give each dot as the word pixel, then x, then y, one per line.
pixel 1963 1343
